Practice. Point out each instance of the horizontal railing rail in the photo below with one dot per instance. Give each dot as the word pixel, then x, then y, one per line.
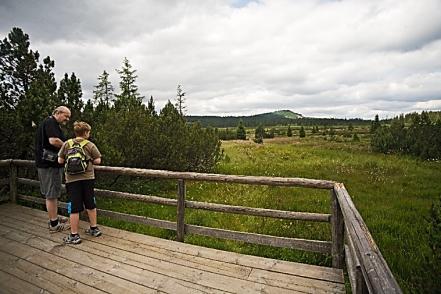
pixel 351 242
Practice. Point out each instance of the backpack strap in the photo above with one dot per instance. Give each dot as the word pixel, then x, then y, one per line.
pixel 84 143
pixel 71 142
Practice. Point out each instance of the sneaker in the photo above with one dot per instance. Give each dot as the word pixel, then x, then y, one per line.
pixel 61 219
pixel 70 239
pixel 58 228
pixel 93 232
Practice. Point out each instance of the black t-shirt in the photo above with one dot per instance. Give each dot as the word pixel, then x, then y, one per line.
pixel 49 128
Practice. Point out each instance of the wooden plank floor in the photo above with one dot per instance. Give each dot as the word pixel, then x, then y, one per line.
pixel 34 261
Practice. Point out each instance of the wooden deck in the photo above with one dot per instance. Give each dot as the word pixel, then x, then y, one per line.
pixel 34 261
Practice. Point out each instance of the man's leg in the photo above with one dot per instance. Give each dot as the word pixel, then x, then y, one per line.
pixel 52 208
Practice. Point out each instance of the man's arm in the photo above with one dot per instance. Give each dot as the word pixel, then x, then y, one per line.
pixel 97 161
pixel 55 142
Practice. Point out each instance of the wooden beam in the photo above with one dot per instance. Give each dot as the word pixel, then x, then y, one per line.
pixel 180 211
pixel 112 214
pixel 378 277
pixel 337 232
pixel 192 176
pixel 293 243
pixel 306 216
pixel 13 183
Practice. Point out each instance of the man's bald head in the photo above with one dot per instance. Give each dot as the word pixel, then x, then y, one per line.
pixel 61 114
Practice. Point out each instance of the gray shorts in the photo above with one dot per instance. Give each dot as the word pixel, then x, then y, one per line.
pixel 50 181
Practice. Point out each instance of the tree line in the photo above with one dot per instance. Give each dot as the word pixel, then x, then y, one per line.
pixel 272 119
pixel 128 132
pixel 415 134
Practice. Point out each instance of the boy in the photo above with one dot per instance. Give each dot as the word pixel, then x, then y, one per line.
pixel 80 186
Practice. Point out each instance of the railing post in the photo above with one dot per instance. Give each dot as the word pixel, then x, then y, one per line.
pixel 337 228
pixel 13 182
pixel 180 220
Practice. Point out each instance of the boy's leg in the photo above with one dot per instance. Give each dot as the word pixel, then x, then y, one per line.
pixel 74 222
pixel 92 217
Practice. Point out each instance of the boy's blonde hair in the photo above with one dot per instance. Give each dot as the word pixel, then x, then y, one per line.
pixel 81 128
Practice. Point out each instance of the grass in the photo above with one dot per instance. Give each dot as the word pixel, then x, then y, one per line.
pixel 393 194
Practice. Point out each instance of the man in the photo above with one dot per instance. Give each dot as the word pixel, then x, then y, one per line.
pixel 49 139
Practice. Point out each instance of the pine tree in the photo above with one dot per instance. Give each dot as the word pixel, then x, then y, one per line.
pixel 151 107
pixel 240 131
pixel 18 67
pixel 70 94
pixel 289 132
pixel 38 103
pixel 180 101
pixel 103 94
pixel 375 124
pixel 302 132
pixel 128 98
pixel 259 134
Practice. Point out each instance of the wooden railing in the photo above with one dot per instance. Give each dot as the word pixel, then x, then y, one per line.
pixel 351 243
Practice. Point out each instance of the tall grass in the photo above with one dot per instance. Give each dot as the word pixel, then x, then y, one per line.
pixel 393 194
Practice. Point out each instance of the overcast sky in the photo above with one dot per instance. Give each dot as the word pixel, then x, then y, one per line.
pixel 237 57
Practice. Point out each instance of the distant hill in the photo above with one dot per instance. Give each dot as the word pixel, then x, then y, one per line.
pixel 280 117
pixel 288 114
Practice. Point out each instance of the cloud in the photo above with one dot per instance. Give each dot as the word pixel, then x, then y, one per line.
pixel 319 58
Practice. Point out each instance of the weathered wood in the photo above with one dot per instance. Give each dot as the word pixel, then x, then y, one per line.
pixel 306 216
pixel 127 262
pixel 5 162
pixel 12 284
pixel 137 197
pixel 226 263
pixel 293 243
pixel 113 194
pixel 112 214
pixel 4 181
pixel 337 232
pixel 192 176
pixel 13 183
pixel 40 277
pixel 180 211
pixel 351 269
pixel 230 283
pixel 357 284
pixel 378 277
pixel 138 219
pixel 64 259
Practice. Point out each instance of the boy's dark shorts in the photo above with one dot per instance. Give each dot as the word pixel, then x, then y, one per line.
pixel 81 194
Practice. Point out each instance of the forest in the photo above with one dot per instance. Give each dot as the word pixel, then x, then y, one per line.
pixel 127 131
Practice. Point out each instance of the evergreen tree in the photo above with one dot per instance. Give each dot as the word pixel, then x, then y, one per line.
pixel 103 94
pixel 240 131
pixel 302 133
pixel 289 132
pixel 128 98
pixel 259 134
pixel 18 66
pixel 375 124
pixel 37 104
pixel 88 114
pixel 180 101
pixel 69 94
pixel 151 107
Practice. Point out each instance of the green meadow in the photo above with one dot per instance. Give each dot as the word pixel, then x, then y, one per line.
pixel 393 193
